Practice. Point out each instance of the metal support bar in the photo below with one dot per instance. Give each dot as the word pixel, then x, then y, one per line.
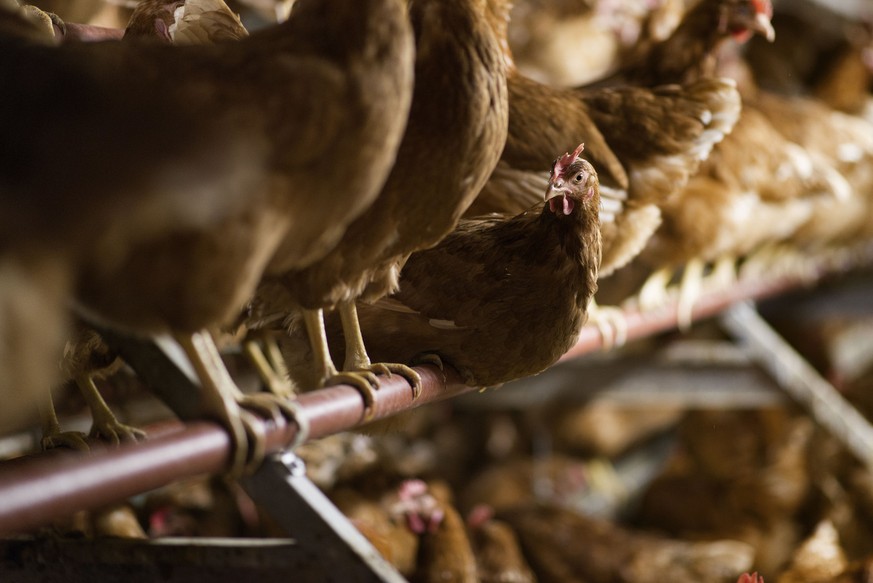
pixel 281 487
pixel 165 560
pixel 799 379
pixel 162 365
pixel 656 379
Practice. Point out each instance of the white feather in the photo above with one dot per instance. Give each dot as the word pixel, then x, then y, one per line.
pixel 395 306
pixel 444 324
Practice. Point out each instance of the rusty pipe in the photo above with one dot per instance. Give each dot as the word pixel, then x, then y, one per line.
pixel 38 488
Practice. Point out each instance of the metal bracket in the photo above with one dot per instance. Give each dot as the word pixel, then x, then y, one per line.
pixel 280 486
pixel 163 366
pixel 800 380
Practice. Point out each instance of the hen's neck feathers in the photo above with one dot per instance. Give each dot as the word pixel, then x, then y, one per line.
pixel 576 235
pixel 578 232
pixel 688 53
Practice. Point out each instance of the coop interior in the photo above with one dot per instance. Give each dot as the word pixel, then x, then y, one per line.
pixel 500 291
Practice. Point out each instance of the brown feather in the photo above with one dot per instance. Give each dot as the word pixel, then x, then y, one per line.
pixel 292 214
pixel 162 180
pixel 455 132
pixel 499 298
pixel 689 53
pixel 645 142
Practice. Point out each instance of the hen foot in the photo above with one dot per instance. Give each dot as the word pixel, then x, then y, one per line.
pixel 689 292
pixel 365 382
pixel 220 400
pixel 69 439
pixel 432 359
pixel 724 273
pixel 272 373
pixel 105 425
pixel 654 292
pixel 52 436
pixel 357 359
pixel 388 369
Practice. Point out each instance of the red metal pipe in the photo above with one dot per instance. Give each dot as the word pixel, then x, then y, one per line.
pixel 644 324
pixel 36 489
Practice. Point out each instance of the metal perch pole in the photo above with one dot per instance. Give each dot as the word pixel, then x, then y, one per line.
pixel 37 489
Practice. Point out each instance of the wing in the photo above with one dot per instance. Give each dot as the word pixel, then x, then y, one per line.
pixel 478 272
pixel 544 121
pixel 662 134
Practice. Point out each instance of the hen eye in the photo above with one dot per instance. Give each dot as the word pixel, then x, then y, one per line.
pixel 578 178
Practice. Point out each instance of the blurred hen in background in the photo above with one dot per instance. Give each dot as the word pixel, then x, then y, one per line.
pixel 245 181
pixel 572 42
pixel 456 131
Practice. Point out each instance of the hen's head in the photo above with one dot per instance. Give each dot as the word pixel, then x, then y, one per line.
pixel 572 182
pixel 743 18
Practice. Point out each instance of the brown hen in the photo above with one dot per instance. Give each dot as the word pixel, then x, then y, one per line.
pixel 843 141
pixel 500 297
pixel 566 547
pixel 756 188
pixel 645 143
pixel 498 554
pixel 197 22
pixel 571 42
pixel 252 156
pixel 690 51
pixel 456 130
pixel 846 81
pixel 446 551
pixel 86 355
pixel 812 41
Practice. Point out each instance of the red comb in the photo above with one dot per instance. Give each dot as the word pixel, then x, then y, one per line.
pixel 567 159
pixel 763 6
pixel 750 578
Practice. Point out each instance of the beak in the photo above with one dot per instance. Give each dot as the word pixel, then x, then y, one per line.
pixel 566 204
pixel 763 26
pixel 554 191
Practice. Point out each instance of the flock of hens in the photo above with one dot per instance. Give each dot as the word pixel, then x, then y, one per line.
pixel 384 181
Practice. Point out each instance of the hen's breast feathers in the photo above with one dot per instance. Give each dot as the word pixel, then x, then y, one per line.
pixel 508 257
